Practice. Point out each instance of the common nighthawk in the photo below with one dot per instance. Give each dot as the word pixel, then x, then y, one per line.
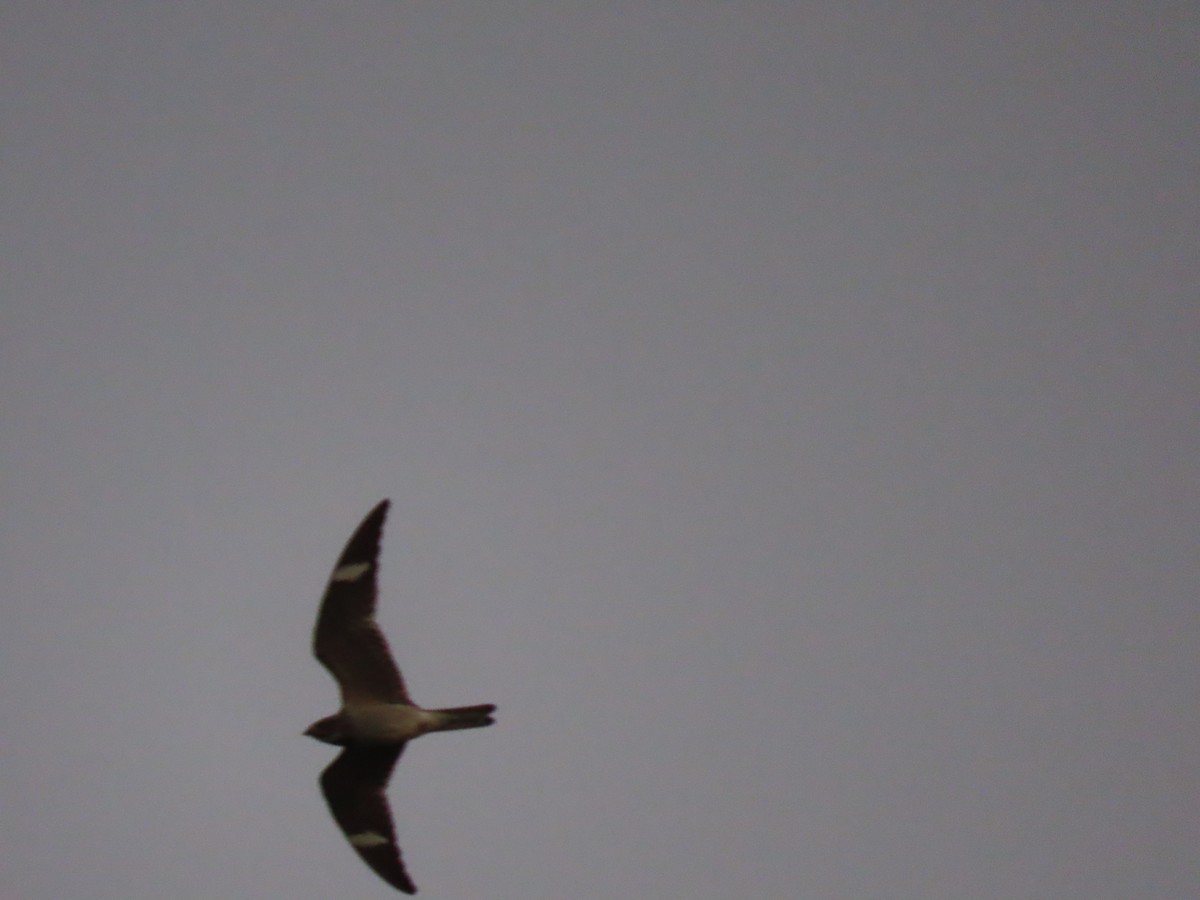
pixel 377 717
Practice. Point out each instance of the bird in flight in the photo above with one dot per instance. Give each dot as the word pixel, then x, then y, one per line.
pixel 377 717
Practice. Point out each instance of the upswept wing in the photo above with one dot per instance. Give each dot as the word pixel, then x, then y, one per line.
pixel 353 785
pixel 347 639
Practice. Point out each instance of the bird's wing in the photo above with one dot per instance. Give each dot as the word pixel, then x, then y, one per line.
pixel 353 786
pixel 347 640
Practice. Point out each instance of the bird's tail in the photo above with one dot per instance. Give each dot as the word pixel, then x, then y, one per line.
pixel 465 717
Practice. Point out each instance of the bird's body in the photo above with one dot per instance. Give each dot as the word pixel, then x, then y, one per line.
pixel 392 723
pixel 377 717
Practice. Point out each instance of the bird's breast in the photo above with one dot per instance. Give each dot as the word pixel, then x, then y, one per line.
pixel 389 723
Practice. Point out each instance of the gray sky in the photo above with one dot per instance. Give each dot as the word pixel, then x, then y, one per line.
pixel 790 412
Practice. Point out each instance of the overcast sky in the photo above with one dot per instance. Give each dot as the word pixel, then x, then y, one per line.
pixel 789 412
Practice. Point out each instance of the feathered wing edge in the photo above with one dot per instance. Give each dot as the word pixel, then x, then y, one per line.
pixel 353 785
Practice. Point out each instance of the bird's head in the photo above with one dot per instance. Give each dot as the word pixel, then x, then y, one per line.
pixel 331 730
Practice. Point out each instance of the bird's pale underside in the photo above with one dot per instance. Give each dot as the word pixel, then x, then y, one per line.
pixel 377 716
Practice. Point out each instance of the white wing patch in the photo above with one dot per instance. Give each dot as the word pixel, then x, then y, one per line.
pixel 351 572
pixel 367 839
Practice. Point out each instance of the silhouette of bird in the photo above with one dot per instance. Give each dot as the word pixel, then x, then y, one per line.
pixel 377 717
